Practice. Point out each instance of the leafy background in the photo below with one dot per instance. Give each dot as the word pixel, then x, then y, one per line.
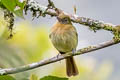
pixel 31 43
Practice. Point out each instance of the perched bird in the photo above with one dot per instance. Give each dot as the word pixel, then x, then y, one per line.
pixel 65 39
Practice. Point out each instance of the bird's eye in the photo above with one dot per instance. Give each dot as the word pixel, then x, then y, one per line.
pixel 65 19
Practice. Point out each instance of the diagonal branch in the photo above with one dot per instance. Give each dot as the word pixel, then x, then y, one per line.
pixel 35 7
pixel 57 58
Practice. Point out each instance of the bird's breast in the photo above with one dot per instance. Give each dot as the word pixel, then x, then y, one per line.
pixel 64 38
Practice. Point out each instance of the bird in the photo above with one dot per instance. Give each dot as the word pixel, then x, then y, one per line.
pixel 64 38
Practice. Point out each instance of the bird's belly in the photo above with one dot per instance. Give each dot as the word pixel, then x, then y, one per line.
pixel 64 42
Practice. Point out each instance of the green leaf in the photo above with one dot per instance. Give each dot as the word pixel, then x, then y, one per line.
pixel 14 6
pixel 19 13
pixel 1 5
pixel 21 5
pixel 9 4
pixel 6 77
pixel 33 77
pixel 53 78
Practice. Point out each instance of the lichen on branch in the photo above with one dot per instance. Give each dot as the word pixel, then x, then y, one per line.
pixel 9 18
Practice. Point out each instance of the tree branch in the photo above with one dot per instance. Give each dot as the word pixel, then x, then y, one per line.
pixel 35 7
pixel 57 58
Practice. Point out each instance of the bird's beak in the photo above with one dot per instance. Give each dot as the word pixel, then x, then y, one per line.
pixel 58 19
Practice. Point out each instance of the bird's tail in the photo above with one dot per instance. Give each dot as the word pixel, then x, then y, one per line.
pixel 71 68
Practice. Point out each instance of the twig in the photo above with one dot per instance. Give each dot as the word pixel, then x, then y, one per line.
pixel 56 58
pixel 93 24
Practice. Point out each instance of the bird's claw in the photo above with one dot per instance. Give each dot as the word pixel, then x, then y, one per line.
pixel 73 51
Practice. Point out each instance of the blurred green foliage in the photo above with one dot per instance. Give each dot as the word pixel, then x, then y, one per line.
pixel 53 78
pixel 34 77
pixel 32 40
pixel 6 77
pixel 14 6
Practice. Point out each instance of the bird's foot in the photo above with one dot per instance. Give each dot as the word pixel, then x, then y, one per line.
pixel 73 51
pixel 58 55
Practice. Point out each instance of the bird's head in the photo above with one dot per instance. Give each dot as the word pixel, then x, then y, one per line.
pixel 63 18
